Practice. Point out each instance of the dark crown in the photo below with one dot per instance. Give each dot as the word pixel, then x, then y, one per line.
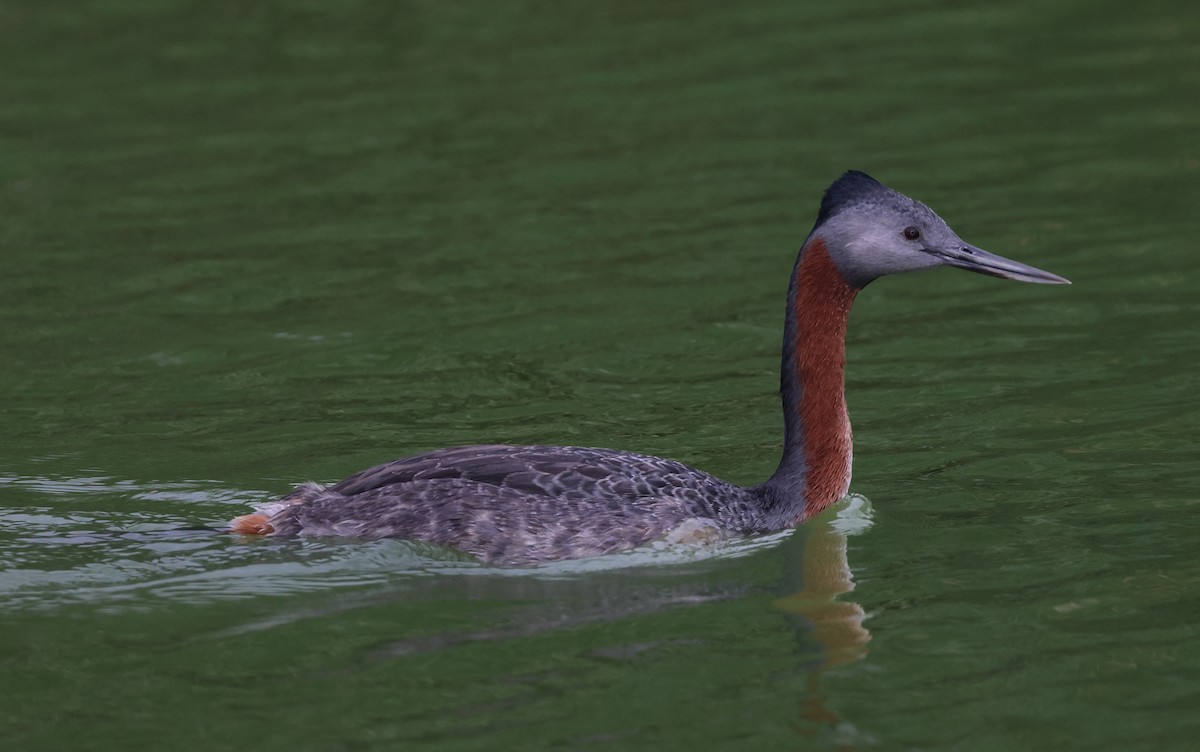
pixel 851 188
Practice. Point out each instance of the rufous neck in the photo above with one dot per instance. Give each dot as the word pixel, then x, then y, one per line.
pixel 815 469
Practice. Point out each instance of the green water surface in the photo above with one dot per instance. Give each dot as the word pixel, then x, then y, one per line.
pixel 245 243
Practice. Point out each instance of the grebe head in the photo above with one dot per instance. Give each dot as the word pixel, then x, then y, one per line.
pixel 871 230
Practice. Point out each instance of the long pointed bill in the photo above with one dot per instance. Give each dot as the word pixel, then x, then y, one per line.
pixel 978 260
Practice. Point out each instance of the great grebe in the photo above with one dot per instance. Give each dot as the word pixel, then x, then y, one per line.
pixel 520 505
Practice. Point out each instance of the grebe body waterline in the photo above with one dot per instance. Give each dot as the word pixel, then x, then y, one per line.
pixel 520 505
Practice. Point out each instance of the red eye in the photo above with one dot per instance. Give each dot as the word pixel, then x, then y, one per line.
pixel 912 233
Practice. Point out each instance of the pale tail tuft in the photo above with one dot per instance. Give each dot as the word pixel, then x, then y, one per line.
pixel 251 524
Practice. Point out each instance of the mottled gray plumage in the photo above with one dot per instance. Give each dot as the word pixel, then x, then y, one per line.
pixel 523 505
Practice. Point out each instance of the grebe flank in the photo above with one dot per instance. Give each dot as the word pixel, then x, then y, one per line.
pixel 520 505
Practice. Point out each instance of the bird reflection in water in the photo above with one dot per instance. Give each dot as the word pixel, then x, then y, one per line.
pixel 831 628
